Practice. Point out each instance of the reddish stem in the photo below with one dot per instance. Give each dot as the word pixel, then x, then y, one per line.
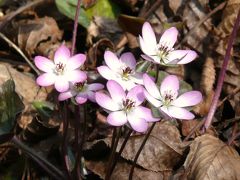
pixel 213 107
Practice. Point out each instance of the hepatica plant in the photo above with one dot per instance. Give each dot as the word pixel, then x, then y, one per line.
pixel 163 52
pixel 62 70
pixel 166 97
pixel 121 70
pixel 125 108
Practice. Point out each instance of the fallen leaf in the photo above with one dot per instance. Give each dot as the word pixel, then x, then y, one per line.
pixel 210 158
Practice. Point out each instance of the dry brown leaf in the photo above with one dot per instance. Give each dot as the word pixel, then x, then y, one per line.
pixel 39 32
pixel 162 150
pixel 122 169
pixel 210 158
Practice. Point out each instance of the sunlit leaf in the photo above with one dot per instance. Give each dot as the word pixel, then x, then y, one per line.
pixel 44 108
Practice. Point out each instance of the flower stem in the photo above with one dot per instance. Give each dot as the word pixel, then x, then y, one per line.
pixel 213 106
pixel 113 151
pixel 140 150
pixel 46 165
pixel 121 150
pixel 75 26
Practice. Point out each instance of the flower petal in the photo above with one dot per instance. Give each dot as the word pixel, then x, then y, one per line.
pixel 128 59
pixel 46 79
pixel 106 72
pixel 136 94
pixel 182 56
pixel 81 98
pixel 61 84
pixel 62 55
pixel 44 64
pixel 190 98
pixel 169 37
pixel 66 95
pixel 75 76
pixel 145 113
pixel 138 124
pixel 148 36
pixel 91 96
pixel 151 87
pixel 95 86
pixel 117 118
pixel 116 91
pixel 112 60
pixel 170 84
pixel 178 112
pixel 137 78
pixel 106 102
pixel 76 61
pixel 148 50
pixel 126 85
pixel 152 100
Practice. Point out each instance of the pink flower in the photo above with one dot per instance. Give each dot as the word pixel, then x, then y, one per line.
pixel 82 91
pixel 124 108
pixel 62 70
pixel 163 52
pixel 121 70
pixel 167 100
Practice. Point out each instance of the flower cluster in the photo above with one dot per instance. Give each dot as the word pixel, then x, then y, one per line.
pixel 127 88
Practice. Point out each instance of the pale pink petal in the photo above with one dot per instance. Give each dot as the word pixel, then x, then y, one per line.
pixel 151 87
pixel 182 56
pixel 75 76
pixel 62 55
pixel 148 36
pixel 126 85
pixel 137 78
pixel 117 118
pixel 148 50
pixel 144 113
pixel 106 102
pixel 178 112
pixel 44 64
pixel 46 79
pixel 136 94
pixel 81 98
pixel 170 85
pixel 105 72
pixel 138 124
pixel 152 100
pixel 76 61
pixel 148 58
pixel 128 59
pixel 95 86
pixel 190 98
pixel 169 37
pixel 66 95
pixel 112 60
pixel 116 91
pixel 61 84
pixel 91 96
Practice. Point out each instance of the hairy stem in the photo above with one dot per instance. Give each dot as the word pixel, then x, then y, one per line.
pixel 75 26
pixel 140 150
pixel 213 106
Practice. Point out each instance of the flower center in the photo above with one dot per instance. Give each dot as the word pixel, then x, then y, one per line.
pixel 59 68
pixel 125 73
pixel 168 98
pixel 162 53
pixel 128 104
pixel 79 86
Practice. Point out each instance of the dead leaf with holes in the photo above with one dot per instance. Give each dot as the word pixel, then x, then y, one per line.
pixel 210 158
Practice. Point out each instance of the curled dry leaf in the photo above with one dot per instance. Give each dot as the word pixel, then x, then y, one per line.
pixel 162 150
pixel 33 34
pixel 122 169
pixel 210 158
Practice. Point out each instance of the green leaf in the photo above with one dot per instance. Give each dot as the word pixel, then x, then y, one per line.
pixel 104 8
pixel 44 108
pixel 10 106
pixel 142 66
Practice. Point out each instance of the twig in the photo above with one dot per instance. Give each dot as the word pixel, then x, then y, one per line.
pixel 199 125
pixel 11 44
pixel 140 150
pixel 75 26
pixel 196 26
pixel 222 74
pixel 152 9
pixel 235 91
